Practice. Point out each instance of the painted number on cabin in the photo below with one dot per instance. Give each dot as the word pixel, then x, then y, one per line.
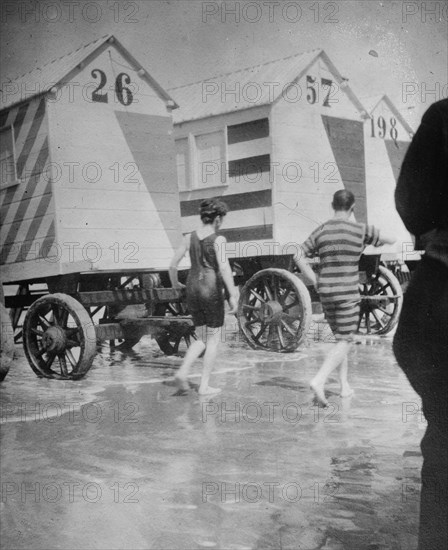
pixel 312 88
pixel 122 91
pixel 384 130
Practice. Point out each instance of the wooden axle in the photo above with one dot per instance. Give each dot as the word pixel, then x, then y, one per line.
pixel 147 325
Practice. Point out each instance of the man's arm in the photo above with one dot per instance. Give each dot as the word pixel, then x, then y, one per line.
pixel 305 268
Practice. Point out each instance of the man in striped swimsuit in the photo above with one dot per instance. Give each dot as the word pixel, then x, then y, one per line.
pixel 338 243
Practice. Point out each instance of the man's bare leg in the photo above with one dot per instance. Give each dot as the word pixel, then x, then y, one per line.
pixel 346 390
pixel 193 352
pixel 334 358
pixel 213 338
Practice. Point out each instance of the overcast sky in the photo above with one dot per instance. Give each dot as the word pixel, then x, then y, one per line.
pixel 182 41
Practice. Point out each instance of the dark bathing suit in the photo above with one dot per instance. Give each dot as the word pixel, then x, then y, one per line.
pixel 205 287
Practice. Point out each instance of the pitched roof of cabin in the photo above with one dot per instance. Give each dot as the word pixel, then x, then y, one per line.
pixel 252 87
pixel 41 79
pixel 372 102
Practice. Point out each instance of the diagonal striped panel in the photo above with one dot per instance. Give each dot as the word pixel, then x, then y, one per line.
pixel 31 138
pixel 27 208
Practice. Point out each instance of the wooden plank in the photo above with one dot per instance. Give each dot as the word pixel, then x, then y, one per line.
pixel 128 296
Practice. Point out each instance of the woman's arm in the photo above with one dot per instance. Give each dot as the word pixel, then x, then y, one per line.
pixel 226 272
pixel 178 255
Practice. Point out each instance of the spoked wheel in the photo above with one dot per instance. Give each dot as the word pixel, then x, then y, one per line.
pixel 6 341
pixel 381 301
pixel 170 339
pixel 274 311
pixel 59 337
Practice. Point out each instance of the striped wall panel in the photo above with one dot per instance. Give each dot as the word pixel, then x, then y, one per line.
pixel 249 217
pixel 346 138
pixel 27 209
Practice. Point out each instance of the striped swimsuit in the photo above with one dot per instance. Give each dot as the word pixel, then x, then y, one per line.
pixel 339 244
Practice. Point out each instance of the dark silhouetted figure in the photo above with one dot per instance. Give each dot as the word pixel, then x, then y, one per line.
pixel 421 340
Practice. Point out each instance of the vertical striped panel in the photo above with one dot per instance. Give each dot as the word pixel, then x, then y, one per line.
pixel 346 138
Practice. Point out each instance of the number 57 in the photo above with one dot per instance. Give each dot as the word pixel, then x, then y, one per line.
pixel 312 95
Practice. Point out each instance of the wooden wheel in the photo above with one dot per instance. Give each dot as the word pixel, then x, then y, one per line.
pixel 6 341
pixel 274 311
pixel 170 339
pixel 59 337
pixel 381 301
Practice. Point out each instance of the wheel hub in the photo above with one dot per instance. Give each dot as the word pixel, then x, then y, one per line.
pixel 270 311
pixel 54 340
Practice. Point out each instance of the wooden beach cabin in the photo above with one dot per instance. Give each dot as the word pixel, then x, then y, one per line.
pixel 387 136
pixel 88 175
pixel 275 141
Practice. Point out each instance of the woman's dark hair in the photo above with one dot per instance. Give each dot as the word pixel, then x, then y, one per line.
pixel 343 200
pixel 211 209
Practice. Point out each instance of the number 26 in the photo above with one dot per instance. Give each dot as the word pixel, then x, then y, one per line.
pixel 123 93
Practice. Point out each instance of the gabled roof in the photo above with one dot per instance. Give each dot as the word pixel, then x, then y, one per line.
pixel 254 86
pixel 372 103
pixel 40 80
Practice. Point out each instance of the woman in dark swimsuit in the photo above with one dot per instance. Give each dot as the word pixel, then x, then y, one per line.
pixel 209 280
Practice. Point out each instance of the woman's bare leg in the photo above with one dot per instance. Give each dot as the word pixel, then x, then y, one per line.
pixel 193 352
pixel 213 338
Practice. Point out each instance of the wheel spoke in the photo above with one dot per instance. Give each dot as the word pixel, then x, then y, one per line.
pixel 384 311
pixel 296 302
pixel 280 336
pixel 250 323
pixel 37 332
pixel 379 321
pixel 71 357
pixel 282 297
pixel 41 352
pixel 288 328
pixel 49 361
pixel 267 290
pixel 254 308
pixel 275 287
pixel 257 296
pixel 71 343
pixel 260 332
pixel 368 323
pixel 63 364
pixel 55 312
pixel 44 322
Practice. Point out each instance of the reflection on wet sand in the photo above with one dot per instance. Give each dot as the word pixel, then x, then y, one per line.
pixel 121 459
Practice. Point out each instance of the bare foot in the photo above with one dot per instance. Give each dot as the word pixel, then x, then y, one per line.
pixel 319 394
pixel 347 392
pixel 208 390
pixel 181 383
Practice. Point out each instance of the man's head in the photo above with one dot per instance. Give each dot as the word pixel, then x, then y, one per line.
pixel 343 200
